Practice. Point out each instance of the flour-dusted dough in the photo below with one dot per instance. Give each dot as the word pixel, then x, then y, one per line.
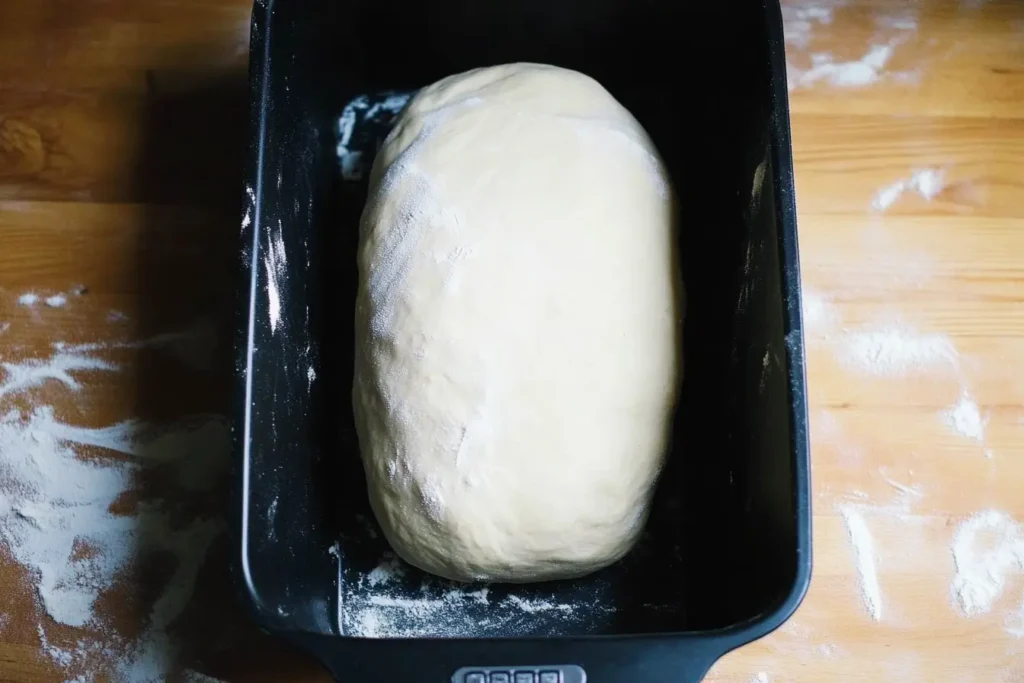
pixel 518 326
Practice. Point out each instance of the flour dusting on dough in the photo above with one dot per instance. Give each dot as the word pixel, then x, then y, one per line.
pixel 435 368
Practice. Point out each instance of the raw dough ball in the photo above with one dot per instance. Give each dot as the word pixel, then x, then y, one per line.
pixel 517 326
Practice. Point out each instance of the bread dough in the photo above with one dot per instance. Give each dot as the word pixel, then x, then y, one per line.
pixel 518 326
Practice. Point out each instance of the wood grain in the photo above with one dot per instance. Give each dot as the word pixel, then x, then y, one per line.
pixel 121 130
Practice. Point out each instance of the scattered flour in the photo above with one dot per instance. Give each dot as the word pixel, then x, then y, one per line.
pixel 194 346
pixel 755 189
pixel 760 677
pixel 766 368
pixel 53 301
pixel 1014 624
pixel 826 430
pixel 987 548
pixel 864 551
pixel 534 606
pixel 882 349
pixel 896 351
pixel 965 419
pixel 852 74
pixel 19 377
pixel 58 486
pixel 802 20
pixel 275 263
pixel 351 151
pixel 927 183
pixel 820 316
pixel 390 569
pixel 250 205
pixel 902 488
pixel 382 615
pixel 904 22
pixel 799 22
pixel 382 607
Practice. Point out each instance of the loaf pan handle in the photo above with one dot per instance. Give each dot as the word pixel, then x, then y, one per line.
pixel 427 660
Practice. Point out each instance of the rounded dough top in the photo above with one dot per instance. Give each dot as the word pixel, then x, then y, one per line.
pixel 518 326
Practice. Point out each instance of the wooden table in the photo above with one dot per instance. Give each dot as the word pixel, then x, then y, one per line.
pixel 121 130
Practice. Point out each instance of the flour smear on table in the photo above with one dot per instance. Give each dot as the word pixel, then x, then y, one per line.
pixel 59 486
pixel 809 66
pixel 32 299
pixel 926 183
pixel 988 554
pixel 860 513
pixel 866 559
pixel 888 347
pixel 965 419
pixel 987 547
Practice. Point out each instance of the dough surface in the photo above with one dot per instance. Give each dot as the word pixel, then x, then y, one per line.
pixel 518 326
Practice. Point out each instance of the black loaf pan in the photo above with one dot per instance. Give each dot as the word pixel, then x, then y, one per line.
pixel 725 557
